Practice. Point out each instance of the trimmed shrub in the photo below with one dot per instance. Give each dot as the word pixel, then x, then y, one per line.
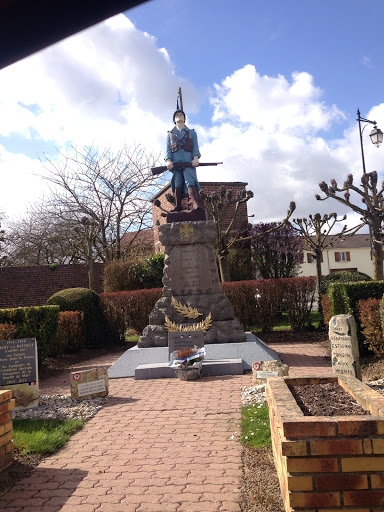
pixel 71 335
pixel 345 296
pixel 343 276
pixel 299 293
pixel 326 309
pixel 129 309
pixel 135 273
pixel 369 315
pixel 8 331
pixel 38 322
pixel 87 301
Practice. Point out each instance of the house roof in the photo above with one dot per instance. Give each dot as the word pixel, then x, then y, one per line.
pixel 357 241
pixel 202 184
pixel 27 27
pixel 143 237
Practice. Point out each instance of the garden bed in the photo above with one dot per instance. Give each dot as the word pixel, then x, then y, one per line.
pixel 328 399
pixel 327 463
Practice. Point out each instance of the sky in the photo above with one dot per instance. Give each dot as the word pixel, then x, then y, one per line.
pixel 271 88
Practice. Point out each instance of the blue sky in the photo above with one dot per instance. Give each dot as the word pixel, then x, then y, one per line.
pixel 271 88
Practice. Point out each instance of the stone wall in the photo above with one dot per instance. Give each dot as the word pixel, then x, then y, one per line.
pixel 6 430
pixel 327 464
pixel 32 286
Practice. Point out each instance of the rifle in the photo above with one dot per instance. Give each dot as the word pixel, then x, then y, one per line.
pixel 179 165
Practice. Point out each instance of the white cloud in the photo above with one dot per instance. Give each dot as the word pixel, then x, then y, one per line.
pixel 112 84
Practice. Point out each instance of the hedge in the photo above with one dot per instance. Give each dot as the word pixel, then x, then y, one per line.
pixel 87 301
pixel 369 315
pixel 71 333
pixel 38 322
pixel 130 309
pixel 345 296
pixel 254 302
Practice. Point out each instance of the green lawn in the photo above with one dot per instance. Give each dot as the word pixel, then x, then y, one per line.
pixel 255 426
pixel 43 436
pixel 283 324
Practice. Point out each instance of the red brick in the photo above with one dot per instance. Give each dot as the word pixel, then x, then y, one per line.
pixel 314 499
pixel 336 447
pixel 309 428
pixel 378 446
pixel 300 483
pixel 311 465
pixel 354 464
pixel 5 395
pixel 377 481
pixel 366 498
pixel 340 482
pixel 294 448
pixel 356 426
pixel 5 418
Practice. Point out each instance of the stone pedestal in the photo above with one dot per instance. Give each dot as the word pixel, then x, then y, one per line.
pixel 191 276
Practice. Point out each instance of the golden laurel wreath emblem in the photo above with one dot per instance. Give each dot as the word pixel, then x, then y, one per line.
pixel 185 310
pixel 189 312
pixel 204 325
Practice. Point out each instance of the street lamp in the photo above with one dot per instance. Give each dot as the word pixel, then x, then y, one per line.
pixel 376 135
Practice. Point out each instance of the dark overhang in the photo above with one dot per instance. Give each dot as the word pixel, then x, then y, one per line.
pixel 27 26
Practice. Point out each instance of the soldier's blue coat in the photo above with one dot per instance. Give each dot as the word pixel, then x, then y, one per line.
pixel 183 177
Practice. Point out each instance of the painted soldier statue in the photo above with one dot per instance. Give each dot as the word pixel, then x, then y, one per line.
pixel 182 146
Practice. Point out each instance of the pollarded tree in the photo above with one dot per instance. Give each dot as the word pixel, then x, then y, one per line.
pixel 277 253
pixel 316 232
pixel 372 215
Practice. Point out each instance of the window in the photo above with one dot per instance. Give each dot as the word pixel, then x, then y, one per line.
pixel 343 256
pixel 311 258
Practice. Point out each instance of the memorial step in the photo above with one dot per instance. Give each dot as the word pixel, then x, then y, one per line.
pixel 211 367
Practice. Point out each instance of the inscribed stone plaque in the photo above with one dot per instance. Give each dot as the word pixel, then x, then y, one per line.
pixel 344 346
pixel 191 270
pixel 180 340
pixel 89 383
pixel 18 371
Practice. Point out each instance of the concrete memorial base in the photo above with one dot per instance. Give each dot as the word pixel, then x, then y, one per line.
pixel 191 277
pixel 216 359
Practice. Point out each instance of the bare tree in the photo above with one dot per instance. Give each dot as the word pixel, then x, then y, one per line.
pixel 40 239
pixel 316 232
pixel 372 215
pixel 109 190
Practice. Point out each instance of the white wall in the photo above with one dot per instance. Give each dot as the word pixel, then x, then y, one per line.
pixel 360 259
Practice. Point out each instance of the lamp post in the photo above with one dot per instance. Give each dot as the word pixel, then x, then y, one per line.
pixel 376 135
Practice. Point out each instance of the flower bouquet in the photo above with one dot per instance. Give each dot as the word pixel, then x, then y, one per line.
pixel 188 362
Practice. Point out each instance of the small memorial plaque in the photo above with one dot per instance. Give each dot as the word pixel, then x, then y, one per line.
pixel 89 383
pixel 91 388
pixel 344 346
pixel 184 339
pixel 265 375
pixel 18 371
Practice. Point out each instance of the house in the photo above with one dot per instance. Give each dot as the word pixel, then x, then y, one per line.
pixel 350 253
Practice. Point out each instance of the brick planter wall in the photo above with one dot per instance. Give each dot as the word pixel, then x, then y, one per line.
pixel 327 464
pixel 6 431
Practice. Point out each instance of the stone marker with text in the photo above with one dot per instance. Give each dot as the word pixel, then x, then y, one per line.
pixel 19 372
pixel 89 383
pixel 344 346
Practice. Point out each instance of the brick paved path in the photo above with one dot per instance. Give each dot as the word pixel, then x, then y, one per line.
pixel 158 445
